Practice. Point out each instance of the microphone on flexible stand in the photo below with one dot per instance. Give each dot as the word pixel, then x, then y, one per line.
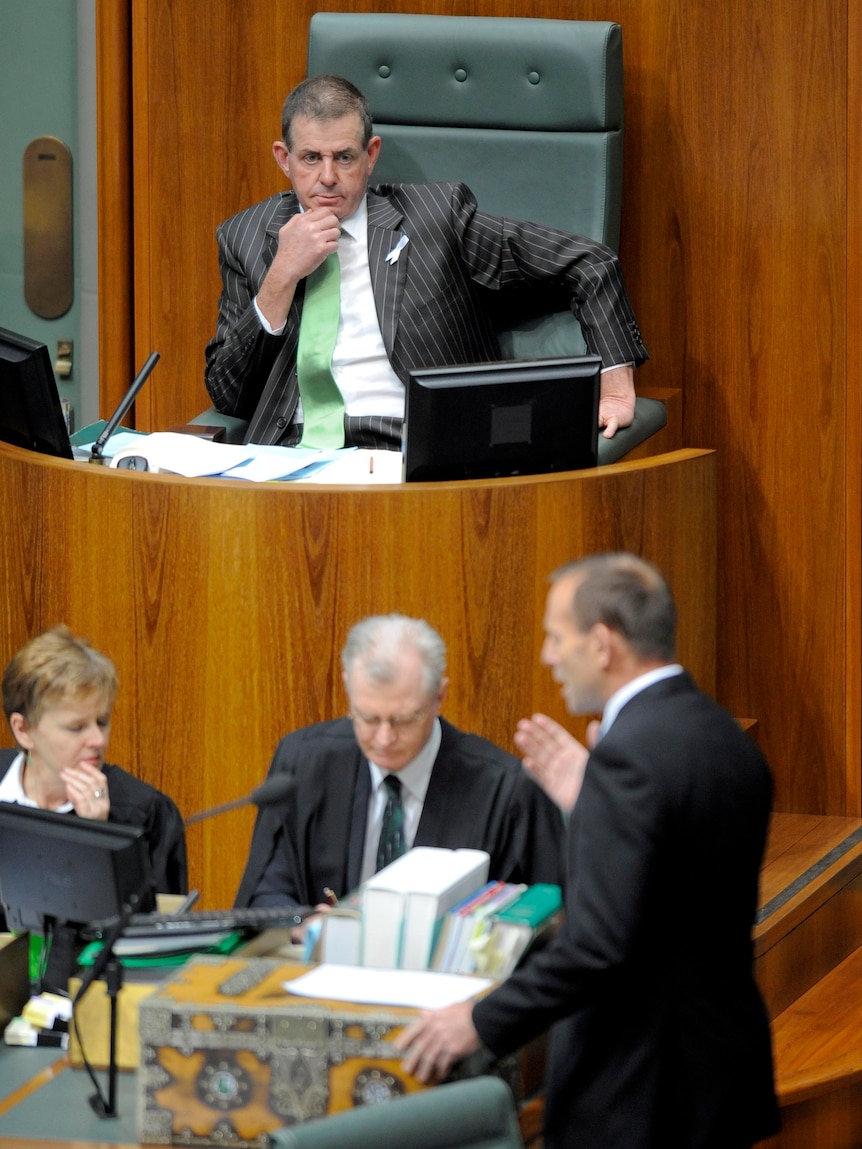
pixel 272 792
pixel 96 455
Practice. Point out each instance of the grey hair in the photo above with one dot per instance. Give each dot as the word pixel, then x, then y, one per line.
pixel 378 640
pixel 325 98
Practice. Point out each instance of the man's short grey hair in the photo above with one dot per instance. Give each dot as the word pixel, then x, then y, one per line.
pixel 322 99
pixel 379 640
pixel 630 596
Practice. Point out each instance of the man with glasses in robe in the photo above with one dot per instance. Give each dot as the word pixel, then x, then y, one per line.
pixel 451 789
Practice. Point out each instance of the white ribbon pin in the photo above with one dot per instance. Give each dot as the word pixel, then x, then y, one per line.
pixel 393 255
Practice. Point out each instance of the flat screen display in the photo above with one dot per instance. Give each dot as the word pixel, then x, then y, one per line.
pixel 70 869
pixel 518 417
pixel 30 412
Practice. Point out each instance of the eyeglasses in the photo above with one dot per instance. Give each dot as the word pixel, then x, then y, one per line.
pixel 395 722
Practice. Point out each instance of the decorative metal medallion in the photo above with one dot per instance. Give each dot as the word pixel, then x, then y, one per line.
pixel 371 1086
pixel 224 1085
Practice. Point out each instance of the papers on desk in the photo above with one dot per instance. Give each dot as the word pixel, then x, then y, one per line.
pixel 355 466
pixel 182 454
pixel 420 989
pixel 192 457
pixel 268 464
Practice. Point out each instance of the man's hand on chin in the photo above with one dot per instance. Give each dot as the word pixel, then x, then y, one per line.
pixel 616 400
pixel 436 1040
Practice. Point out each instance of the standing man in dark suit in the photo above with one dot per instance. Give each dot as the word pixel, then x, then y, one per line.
pixel 660 1039
pixel 412 258
pixel 455 789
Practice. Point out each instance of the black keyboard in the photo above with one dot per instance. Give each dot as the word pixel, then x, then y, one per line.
pixel 194 922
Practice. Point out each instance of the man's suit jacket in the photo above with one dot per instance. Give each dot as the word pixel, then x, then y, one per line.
pixel 661 1039
pixel 478 797
pixel 428 300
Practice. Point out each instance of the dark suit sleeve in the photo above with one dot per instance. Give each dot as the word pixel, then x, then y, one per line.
pixel 506 253
pixel 602 915
pixel 270 866
pixel 241 355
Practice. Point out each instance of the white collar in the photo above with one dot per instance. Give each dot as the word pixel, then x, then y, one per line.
pixel 628 691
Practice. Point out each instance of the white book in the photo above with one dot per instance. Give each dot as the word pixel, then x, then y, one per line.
pixel 340 940
pixel 403 904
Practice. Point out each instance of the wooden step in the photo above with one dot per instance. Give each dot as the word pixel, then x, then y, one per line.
pixel 817 1046
pixel 808 959
pixel 810 903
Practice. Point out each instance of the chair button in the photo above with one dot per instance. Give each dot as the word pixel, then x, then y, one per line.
pixel 460 75
pixel 533 77
pixel 384 71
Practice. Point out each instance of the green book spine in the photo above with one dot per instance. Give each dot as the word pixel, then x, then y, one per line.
pixel 534 906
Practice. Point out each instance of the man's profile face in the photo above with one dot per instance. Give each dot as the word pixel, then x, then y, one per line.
pixel 572 654
pixel 327 164
pixel 392 720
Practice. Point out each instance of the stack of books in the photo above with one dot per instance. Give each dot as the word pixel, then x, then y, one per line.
pixel 392 920
pixel 489 933
pixel 435 909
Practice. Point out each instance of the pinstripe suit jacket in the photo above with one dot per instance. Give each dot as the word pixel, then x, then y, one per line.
pixel 429 301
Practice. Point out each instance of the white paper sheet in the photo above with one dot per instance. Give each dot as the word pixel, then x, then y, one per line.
pixel 358 466
pixel 421 989
pixel 185 454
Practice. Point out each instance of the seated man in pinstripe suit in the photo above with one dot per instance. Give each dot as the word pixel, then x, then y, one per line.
pixel 413 258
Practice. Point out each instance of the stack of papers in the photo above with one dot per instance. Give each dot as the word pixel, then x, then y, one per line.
pixel 178 454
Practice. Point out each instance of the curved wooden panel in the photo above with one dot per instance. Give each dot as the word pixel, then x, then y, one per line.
pixel 225 605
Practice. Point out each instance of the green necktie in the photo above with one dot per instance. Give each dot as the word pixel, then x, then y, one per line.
pixel 322 402
pixel 391 844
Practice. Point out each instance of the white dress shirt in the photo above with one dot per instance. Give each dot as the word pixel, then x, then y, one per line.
pixel 360 365
pixel 12 787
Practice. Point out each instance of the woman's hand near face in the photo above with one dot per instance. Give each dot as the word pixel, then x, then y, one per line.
pixel 87 790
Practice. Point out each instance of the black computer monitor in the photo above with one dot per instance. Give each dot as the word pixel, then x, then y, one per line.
pixel 30 412
pixel 69 869
pixel 518 417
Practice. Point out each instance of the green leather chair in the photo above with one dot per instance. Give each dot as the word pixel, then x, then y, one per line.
pixel 528 113
pixel 474 1114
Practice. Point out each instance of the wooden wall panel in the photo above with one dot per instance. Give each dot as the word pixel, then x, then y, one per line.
pixel 741 247
pixel 224 604
pixel 114 175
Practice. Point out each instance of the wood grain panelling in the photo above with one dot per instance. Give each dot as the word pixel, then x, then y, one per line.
pixel 853 413
pixel 114 174
pixel 741 247
pixel 224 605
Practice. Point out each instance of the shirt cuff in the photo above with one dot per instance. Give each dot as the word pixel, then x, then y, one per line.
pixel 264 323
pixel 604 369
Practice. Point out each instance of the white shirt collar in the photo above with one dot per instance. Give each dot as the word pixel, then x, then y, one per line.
pixel 355 227
pixel 627 692
pixel 12 787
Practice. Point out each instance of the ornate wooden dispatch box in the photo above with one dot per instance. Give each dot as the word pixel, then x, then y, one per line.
pixel 227 1055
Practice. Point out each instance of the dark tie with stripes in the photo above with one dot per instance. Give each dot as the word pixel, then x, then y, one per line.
pixel 391 843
